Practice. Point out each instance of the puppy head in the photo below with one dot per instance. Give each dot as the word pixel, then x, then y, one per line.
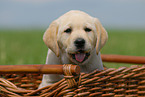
pixel 77 35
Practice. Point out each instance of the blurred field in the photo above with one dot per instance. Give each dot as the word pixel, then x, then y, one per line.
pixel 27 47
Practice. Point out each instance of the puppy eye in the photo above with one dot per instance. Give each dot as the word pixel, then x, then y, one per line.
pixel 68 30
pixel 87 29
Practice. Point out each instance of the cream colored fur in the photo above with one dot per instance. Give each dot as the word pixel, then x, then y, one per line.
pixel 60 44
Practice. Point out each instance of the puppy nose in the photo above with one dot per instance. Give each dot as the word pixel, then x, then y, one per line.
pixel 79 43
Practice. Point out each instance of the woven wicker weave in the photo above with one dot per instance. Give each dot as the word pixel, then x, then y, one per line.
pixel 122 82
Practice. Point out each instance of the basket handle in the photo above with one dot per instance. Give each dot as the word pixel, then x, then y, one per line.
pixel 42 69
pixel 69 77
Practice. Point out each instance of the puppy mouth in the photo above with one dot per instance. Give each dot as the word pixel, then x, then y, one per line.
pixel 80 56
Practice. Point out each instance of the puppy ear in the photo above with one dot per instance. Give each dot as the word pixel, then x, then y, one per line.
pixel 102 35
pixel 50 37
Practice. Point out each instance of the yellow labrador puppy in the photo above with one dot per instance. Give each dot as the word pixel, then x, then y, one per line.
pixel 74 38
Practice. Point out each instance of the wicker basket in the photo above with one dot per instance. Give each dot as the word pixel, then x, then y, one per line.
pixel 121 82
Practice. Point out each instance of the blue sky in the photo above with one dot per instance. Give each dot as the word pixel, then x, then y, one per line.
pixel 40 13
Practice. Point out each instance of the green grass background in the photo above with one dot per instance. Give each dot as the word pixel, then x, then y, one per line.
pixel 27 47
